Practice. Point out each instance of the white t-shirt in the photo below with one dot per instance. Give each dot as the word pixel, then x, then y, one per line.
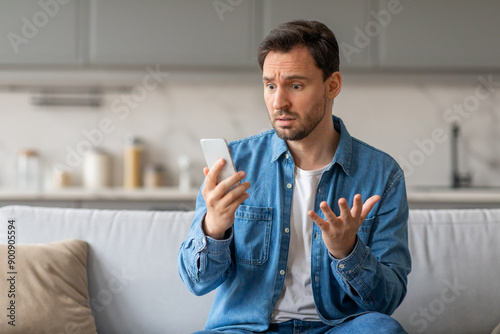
pixel 296 300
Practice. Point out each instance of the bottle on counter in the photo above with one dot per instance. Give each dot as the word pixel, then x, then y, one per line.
pixel 184 164
pixel 133 160
pixel 154 176
pixel 28 169
pixel 96 169
pixel 61 178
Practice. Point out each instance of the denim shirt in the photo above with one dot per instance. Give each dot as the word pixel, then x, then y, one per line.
pixel 248 268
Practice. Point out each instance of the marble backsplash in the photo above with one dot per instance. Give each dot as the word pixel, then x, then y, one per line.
pixel 408 116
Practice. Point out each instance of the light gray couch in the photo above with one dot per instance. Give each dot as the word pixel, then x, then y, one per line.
pixel 454 286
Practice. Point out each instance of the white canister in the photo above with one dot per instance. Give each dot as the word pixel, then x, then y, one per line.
pixel 96 169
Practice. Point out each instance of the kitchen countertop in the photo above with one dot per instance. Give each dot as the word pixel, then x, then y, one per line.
pixel 415 194
pixel 109 194
pixel 454 195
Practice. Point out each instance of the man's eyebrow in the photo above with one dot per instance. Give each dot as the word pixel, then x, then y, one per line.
pixel 295 77
pixel 287 77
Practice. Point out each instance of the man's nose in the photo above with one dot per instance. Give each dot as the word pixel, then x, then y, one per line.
pixel 281 99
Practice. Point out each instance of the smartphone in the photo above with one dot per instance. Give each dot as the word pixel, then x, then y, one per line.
pixel 217 148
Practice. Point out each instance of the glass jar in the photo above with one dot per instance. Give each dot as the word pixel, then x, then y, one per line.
pixel 28 169
pixel 61 178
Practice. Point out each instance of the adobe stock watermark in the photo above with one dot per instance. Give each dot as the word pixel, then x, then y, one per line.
pixel 372 29
pixel 118 282
pixel 223 6
pixel 456 114
pixel 426 315
pixel 31 27
pixel 120 106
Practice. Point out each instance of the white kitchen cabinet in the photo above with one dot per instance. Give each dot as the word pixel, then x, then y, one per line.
pixel 44 32
pixel 442 35
pixel 173 32
pixel 344 18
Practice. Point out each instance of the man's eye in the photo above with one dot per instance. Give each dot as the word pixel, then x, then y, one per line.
pixel 296 86
pixel 270 86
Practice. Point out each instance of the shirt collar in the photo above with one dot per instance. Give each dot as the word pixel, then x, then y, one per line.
pixel 279 147
pixel 342 155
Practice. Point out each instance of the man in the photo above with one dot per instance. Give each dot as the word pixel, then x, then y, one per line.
pixel 294 249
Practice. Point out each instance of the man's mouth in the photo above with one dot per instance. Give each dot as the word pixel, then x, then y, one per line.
pixel 284 118
pixel 284 121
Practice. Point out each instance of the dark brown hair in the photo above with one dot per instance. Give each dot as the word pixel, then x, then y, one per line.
pixel 314 35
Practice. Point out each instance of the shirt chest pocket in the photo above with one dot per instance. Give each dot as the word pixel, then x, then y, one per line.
pixel 252 234
pixel 365 229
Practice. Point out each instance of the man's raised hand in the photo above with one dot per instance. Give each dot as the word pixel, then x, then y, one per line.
pixel 222 202
pixel 339 233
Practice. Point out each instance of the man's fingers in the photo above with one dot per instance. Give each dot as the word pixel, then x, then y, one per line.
pixel 368 206
pixel 211 176
pixel 223 189
pixel 327 211
pixel 359 210
pixel 357 206
pixel 317 220
pixel 345 211
pixel 226 184
pixel 238 201
pixel 229 197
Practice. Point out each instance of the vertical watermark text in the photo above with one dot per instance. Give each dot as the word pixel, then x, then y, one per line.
pixel 11 272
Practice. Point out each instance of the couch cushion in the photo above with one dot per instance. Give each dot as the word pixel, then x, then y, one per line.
pixel 454 285
pixel 46 288
pixel 134 285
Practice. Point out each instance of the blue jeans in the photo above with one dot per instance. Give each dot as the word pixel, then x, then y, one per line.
pixel 368 323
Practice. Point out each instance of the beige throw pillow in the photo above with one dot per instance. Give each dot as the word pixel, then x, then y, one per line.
pixel 43 289
pixel 496 330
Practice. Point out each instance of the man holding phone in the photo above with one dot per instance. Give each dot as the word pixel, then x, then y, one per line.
pixel 315 239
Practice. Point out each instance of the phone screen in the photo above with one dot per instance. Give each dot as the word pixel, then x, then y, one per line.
pixel 217 148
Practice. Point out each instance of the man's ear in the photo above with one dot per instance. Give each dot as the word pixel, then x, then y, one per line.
pixel 334 85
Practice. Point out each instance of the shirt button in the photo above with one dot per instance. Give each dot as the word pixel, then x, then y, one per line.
pixel 287 156
pixel 319 191
pixel 341 266
pixel 287 230
pixel 289 185
pixel 282 272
